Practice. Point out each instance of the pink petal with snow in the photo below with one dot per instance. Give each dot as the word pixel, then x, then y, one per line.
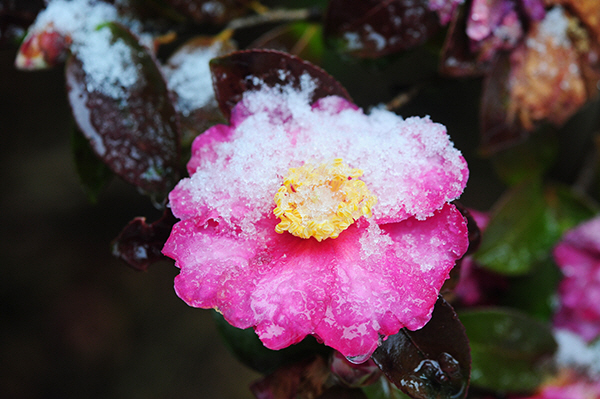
pixel 378 276
pixel 346 294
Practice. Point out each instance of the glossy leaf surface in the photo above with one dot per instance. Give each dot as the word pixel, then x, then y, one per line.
pixel 535 292
pixel 525 224
pixel 508 348
pixel 373 28
pixel 134 131
pixel 519 232
pixel 140 244
pixel 234 74
pixel 433 362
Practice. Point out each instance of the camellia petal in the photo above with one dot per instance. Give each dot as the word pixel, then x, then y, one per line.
pixel 578 256
pixel 371 277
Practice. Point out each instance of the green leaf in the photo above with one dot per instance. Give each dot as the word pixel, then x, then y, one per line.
pixel 535 292
pixel 508 349
pixel 527 160
pixel 384 389
pixel 520 232
pixel 568 208
pixel 249 350
pixel 93 174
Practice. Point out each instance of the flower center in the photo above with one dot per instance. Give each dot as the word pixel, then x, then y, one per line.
pixel 322 201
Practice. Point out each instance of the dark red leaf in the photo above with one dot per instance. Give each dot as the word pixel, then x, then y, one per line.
pixel 373 28
pixel 433 362
pixel 215 12
pixel 135 132
pixel 232 75
pixel 140 244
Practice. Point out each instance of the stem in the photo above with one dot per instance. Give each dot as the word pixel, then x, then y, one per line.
pixel 271 16
pixel 402 99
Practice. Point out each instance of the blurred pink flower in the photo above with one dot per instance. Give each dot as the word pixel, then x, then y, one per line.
pixel 494 25
pixel 364 235
pixel 444 8
pixel 578 256
pixel 568 385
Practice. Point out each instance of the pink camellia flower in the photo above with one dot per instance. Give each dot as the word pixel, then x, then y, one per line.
pixel 568 385
pixel 578 256
pixel 494 25
pixel 303 219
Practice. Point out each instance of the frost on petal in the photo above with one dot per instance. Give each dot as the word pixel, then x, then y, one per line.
pixel 379 275
pixel 290 287
pixel 395 288
pixel 578 256
pixel 414 174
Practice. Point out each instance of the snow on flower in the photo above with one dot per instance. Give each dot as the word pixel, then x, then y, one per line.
pixel 497 25
pixel 578 256
pixel 300 219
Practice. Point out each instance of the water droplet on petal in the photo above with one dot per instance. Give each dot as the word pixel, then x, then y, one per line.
pixel 358 359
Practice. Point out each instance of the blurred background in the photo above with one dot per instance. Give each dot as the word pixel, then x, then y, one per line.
pixel 74 321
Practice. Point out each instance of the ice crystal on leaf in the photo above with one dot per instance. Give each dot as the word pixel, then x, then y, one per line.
pixel 379 275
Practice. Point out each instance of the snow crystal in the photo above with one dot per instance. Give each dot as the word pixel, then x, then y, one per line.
pixel 573 352
pixel 375 37
pixel 75 17
pixel 410 165
pixel 555 25
pixel 188 75
pixel 108 63
pixel 109 67
pixel 353 41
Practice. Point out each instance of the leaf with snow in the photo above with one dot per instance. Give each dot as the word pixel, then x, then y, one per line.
pixel 241 71
pixel 121 104
pixel 373 28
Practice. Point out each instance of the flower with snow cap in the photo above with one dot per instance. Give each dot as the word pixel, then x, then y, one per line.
pixel 302 219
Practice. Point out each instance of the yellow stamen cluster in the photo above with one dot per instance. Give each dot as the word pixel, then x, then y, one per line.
pixel 322 201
